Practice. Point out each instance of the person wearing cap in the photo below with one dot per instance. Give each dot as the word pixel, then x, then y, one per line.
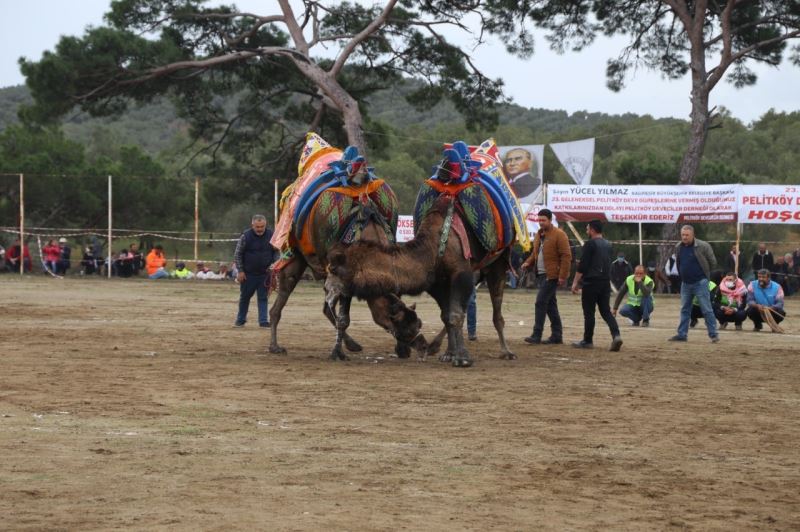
pixel 253 256
pixel 65 253
pixel 694 260
pixel 182 272
pixel 550 260
pixel 594 270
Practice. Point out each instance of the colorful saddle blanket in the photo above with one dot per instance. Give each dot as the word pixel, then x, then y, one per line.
pixel 339 214
pixel 482 197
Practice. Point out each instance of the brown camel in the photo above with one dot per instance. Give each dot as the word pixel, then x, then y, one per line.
pixel 388 312
pixel 371 269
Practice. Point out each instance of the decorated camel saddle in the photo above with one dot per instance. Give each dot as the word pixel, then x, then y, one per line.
pixel 333 199
pixel 471 182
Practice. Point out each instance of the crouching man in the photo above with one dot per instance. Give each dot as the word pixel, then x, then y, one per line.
pixel 764 295
pixel 640 288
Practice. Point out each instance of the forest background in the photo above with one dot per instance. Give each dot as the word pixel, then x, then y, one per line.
pixel 149 151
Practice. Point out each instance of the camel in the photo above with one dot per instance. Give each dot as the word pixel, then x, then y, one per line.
pixel 369 269
pixel 387 311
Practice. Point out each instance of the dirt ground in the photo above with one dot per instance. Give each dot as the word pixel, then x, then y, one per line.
pixel 134 404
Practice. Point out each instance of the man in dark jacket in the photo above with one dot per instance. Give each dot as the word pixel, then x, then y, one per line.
pixel 695 260
pixel 620 270
pixel 762 259
pixel 254 255
pixel 593 270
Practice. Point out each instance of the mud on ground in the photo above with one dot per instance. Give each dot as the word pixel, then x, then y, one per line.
pixel 134 404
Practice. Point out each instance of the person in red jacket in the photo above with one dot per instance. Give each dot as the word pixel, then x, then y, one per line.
pixel 51 253
pixel 13 257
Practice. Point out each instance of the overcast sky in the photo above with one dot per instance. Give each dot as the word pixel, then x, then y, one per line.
pixel 572 82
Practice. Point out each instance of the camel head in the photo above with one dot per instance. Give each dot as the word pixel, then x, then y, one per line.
pixel 407 328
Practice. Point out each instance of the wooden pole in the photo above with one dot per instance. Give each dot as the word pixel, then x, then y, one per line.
pixel 21 223
pixel 641 253
pixel 196 214
pixel 110 211
pixel 737 255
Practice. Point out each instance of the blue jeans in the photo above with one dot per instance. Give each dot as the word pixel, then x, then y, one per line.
pixel 640 313
pixel 688 292
pixel 472 315
pixel 160 273
pixel 251 285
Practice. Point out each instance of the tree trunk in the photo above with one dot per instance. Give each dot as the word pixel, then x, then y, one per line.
pixel 694 152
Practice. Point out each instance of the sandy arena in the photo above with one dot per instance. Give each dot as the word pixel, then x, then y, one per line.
pixel 134 404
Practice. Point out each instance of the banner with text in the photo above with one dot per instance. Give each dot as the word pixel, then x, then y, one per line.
pixel 405 228
pixel 769 204
pixel 645 203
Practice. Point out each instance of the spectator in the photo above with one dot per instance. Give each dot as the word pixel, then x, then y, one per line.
pixel 732 262
pixel 779 271
pixel 123 265
pixel 673 275
pixel 620 270
pixel 550 259
pixel 733 297
pixel 762 259
pixel 224 273
pixel 254 255
pixel 792 278
pixel 51 253
pixel 97 251
pixel 182 272
pixel 694 260
pixel 136 259
pixel 89 261
pixel 65 255
pixel 13 256
pixel 640 289
pixel 156 263
pixel 2 258
pixel 764 295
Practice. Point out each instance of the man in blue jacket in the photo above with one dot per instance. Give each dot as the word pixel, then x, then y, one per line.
pixel 253 256
pixel 694 260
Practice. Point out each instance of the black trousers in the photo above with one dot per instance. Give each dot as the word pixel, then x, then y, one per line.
pixel 597 294
pixel 547 305
pixel 755 315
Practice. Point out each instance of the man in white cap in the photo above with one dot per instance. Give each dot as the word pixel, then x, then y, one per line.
pixel 63 263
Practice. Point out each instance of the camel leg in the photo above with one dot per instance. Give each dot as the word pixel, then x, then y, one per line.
pixel 342 322
pixel 288 278
pixel 453 313
pixel 379 307
pixel 436 343
pixel 496 281
pixel 349 342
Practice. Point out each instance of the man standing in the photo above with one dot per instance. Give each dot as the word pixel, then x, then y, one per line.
pixel 640 288
pixel 65 255
pixel 253 256
pixel 762 259
pixel 593 270
pixel 551 258
pixel 620 270
pixel 764 296
pixel 694 260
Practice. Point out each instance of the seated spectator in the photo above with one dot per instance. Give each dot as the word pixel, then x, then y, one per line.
pixel 156 263
pixel 13 257
pixel 764 295
pixel 182 272
pixel 123 264
pixel 89 262
pixel 136 258
pixel 733 298
pixel 224 273
pixel 713 287
pixel 640 288
pixel 64 262
pixel 50 255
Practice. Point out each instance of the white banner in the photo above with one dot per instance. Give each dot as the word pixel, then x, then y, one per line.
pixel 405 228
pixel 645 203
pixel 769 204
pixel 523 168
pixel 577 157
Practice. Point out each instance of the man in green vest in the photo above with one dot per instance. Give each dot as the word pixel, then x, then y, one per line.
pixel 715 296
pixel 640 288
